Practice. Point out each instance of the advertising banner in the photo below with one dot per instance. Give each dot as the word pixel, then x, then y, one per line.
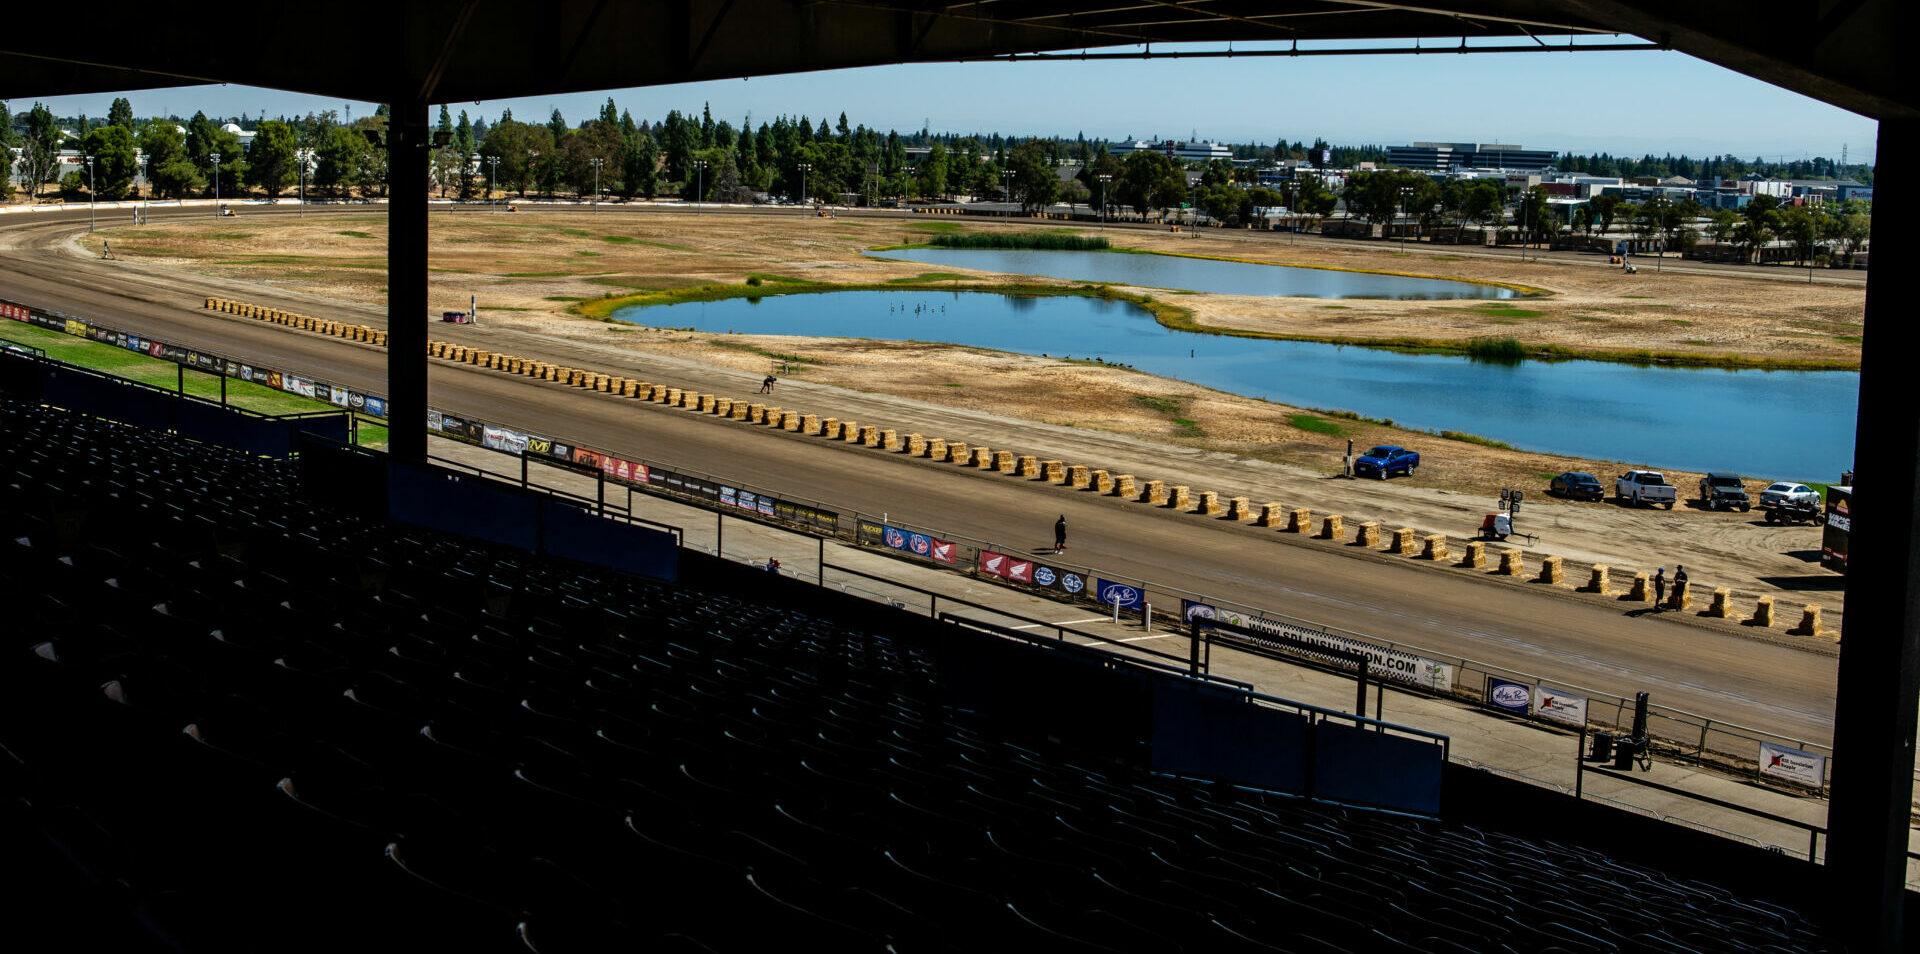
pixel 1390 663
pixel 919 544
pixel 1020 571
pixel 943 552
pixel 337 395
pixel 501 439
pixel 1509 696
pixel 1792 765
pixel 1561 707
pixel 868 533
pixel 625 470
pixel 1044 575
pixel 1119 594
pixel 895 539
pixel 376 406
pixel 583 456
pixel 994 563
pixel 1196 611
pixel 807 516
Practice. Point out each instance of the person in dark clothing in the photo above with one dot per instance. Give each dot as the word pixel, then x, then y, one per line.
pixel 1659 588
pixel 1060 534
pixel 766 387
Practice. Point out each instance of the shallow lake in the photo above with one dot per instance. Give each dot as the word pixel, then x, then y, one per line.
pixel 1765 424
pixel 1198 274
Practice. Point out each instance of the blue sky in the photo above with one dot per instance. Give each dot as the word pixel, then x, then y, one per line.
pixel 1624 102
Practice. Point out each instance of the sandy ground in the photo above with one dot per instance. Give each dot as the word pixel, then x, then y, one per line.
pixel 529 269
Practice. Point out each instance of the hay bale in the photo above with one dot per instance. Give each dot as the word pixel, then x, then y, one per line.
pixel 723 407
pixel 1154 492
pixel 1330 527
pixel 1597 582
pixel 1476 558
pixel 889 440
pixel 756 413
pixel 1722 606
pixel 790 421
pixel 1402 541
pixel 1367 534
pixel 958 453
pixel 916 445
pixel 1124 486
pixel 1076 476
pixel 1027 466
pixel 869 436
pixel 810 424
pixel 1101 481
pixel 1551 570
pixel 707 403
pixel 742 411
pixel 1433 547
pixel 1003 461
pixel 1270 516
pixel 1809 621
pixel 937 449
pixel 830 428
pixel 1179 497
pixel 1238 508
pixel 1299 520
pixel 1762 612
pixel 1512 563
pixel 1642 589
pixel 983 458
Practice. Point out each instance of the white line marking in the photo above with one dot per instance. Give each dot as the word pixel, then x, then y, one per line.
pixel 1064 622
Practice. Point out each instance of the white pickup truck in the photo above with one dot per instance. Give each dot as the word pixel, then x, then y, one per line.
pixel 1644 488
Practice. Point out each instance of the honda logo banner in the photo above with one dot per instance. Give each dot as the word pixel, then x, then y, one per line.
pixel 1562 707
pixel 943 552
pixel 993 563
pixel 1793 765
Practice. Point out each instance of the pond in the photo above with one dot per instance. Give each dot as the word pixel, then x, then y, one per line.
pixel 1199 274
pixel 1765 424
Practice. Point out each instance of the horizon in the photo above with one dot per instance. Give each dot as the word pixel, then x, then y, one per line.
pixel 1628 104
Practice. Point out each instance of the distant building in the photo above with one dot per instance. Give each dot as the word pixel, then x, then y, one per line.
pixel 1451 156
pixel 1187 151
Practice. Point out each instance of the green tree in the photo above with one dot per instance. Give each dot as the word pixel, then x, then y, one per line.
pixel 113 160
pixel 1606 207
pixel 271 161
pixel 121 114
pixel 932 181
pixel 463 146
pixel 1033 178
pixel 1799 229
pixel 170 173
pixel 339 157
pixel 1142 180
pixel 1074 193
pixel 39 149
pixel 639 165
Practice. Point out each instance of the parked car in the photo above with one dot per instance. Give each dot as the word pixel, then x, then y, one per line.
pixel 1575 485
pixel 1645 487
pixel 1787 502
pixel 1383 460
pixel 1718 490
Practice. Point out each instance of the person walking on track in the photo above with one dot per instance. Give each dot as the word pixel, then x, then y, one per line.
pixel 1060 534
pixel 1659 588
pixel 766 387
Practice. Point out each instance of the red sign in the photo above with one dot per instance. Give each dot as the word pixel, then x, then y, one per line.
pixel 623 469
pixel 994 563
pixel 1020 571
pixel 942 551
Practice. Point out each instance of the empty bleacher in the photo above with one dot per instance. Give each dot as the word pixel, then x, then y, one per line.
pixel 237 718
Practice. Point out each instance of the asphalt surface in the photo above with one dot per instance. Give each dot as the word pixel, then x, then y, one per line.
pixel 1577 642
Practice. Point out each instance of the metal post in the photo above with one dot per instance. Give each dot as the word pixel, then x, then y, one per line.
pixel 223 390
pixel 1879 673
pixel 407 137
pixel 180 378
pixel 523 471
pixel 820 555
pixel 216 182
pixel 600 493
pixel 90 193
pixel 719 534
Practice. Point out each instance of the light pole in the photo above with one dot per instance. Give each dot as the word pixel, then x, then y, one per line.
pixel 805 167
pixel 1106 182
pixel 1406 197
pixel 1006 176
pixel 216 183
pixel 1293 196
pixel 596 160
pixel 1523 225
pixel 532 154
pixel 89 193
pixel 147 192
pixel 493 182
pixel 301 154
pixel 700 184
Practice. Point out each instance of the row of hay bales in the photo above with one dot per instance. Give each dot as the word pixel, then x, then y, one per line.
pixel 278 316
pixel 1430 547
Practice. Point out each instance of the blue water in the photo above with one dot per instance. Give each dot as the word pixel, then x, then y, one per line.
pixel 1764 424
pixel 1199 274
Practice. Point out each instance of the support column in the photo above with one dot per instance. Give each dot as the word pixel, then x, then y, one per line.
pixel 1879 675
pixel 407 133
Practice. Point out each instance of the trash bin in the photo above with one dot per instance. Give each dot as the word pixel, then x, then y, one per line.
pixel 1624 752
pixel 1602 746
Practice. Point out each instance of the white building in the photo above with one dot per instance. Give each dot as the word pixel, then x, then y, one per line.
pixel 1185 151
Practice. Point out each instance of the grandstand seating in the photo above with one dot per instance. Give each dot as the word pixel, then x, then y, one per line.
pixel 236 717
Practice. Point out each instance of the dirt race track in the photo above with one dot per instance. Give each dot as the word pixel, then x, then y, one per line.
pixel 1765 679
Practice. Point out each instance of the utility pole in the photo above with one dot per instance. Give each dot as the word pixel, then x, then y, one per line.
pixel 90 193
pixel 493 183
pixel 1106 182
pixel 700 183
pixel 216 183
pixel 596 181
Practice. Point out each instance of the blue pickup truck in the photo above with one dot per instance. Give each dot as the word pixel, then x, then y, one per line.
pixel 1385 459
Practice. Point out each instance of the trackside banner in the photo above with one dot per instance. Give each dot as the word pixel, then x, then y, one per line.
pixel 1562 707
pixel 1793 765
pixel 1391 663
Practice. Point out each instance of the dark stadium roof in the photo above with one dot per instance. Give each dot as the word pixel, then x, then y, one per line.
pixel 442 51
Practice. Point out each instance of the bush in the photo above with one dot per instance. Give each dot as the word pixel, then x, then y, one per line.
pixel 1496 350
pixel 1043 241
pixel 753 280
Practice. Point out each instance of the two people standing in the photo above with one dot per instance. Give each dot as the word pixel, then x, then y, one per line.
pixel 1660 584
